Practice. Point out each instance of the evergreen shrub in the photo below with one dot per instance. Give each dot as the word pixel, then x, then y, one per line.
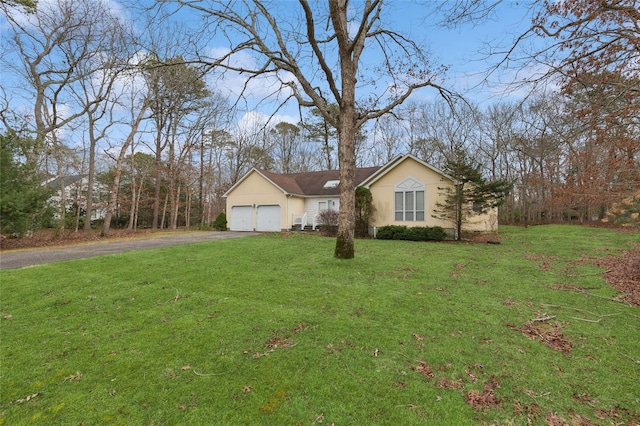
pixel 221 222
pixel 418 233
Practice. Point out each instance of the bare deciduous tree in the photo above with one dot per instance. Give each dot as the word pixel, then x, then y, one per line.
pixel 388 134
pixel 63 49
pixel 177 90
pixel 95 92
pixel 138 110
pixel 594 46
pixel 286 146
pixel 315 51
pixel 249 147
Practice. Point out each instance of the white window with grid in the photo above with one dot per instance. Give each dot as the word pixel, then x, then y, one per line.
pixel 409 201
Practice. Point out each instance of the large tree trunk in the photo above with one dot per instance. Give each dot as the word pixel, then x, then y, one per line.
pixel 347 128
pixel 347 218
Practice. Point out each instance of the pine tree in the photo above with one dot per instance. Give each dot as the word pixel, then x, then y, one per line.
pixel 23 198
pixel 471 194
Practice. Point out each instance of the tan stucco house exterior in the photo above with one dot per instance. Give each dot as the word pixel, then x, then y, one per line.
pixel 405 192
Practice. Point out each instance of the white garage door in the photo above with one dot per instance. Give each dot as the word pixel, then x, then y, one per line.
pixel 241 218
pixel 268 218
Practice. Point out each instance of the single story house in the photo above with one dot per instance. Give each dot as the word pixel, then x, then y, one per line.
pixel 75 191
pixel 405 192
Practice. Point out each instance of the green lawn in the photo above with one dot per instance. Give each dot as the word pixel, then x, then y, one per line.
pixel 273 330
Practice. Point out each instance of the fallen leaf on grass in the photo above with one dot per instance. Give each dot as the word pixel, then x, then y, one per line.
pixel 473 377
pixel 603 414
pixel 73 377
pixel 26 399
pixel 583 397
pixel 549 334
pixel 298 328
pixel 486 398
pixel 260 355
pixel 445 383
pixel 423 368
pixel 576 419
pixel 278 342
pixel 544 266
pixel 186 367
pixel 532 410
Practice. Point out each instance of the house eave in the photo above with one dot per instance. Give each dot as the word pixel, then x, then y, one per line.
pixel 394 162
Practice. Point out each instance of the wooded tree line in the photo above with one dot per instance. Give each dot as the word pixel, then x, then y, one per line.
pixel 129 111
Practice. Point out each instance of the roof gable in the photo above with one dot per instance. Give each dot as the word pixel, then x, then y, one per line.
pixel 287 183
pixel 66 181
pixel 396 162
pixel 264 174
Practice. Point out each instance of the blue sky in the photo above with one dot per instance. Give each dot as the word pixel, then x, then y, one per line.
pixel 464 50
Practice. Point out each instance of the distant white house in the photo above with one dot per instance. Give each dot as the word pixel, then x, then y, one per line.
pixel 75 191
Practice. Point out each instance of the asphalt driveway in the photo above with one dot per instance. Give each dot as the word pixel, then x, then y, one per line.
pixel 30 257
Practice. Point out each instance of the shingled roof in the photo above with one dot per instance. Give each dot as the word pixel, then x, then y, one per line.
pixel 313 183
pixel 67 181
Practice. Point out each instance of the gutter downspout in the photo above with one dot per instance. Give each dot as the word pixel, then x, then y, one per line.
pixel 287 214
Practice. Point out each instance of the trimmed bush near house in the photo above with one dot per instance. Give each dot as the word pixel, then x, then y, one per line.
pixel 390 232
pixel 418 233
pixel 329 222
